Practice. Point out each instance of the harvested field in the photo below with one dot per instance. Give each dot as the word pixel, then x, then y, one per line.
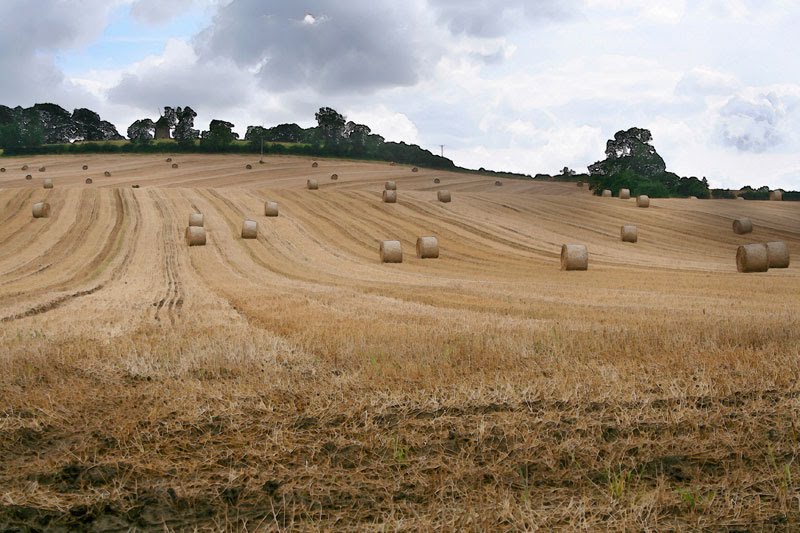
pixel 295 381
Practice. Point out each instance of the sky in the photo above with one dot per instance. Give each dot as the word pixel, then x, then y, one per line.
pixel 524 86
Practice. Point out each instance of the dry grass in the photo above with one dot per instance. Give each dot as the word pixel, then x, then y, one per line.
pixel 293 381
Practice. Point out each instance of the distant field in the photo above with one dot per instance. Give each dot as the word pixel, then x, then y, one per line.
pixel 294 381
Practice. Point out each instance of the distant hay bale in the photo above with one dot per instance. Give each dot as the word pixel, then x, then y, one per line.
pixel 48 183
pixel 742 225
pixel 778 254
pixel 391 252
pixel 169 160
pixel 196 220
pixel 443 195
pixel 740 197
pixel 390 197
pixel 642 201
pixel 135 186
pixel 415 169
pixel 249 166
pixel 574 257
pixel 312 185
pixel 693 198
pixel 3 169
pixel 427 247
pixel 390 186
pixel 334 177
pixel 88 181
pixel 107 174
pixel 85 167
pixel 498 183
pixel 41 210
pixel 249 229
pixel 392 163
pixel 42 169
pixel 260 161
pixel 174 165
pixel 624 194
pixel 270 208
pixel 629 233
pixel 24 167
pixel 606 193
pixel 776 195
pixel 314 164
pixel 195 235
pixel 28 177
pixel 752 258
pixel 437 180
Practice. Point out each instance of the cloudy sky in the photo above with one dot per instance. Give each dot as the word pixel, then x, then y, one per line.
pixel 522 85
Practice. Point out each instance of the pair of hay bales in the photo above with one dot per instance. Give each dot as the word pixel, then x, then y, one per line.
pixel 196 232
pixel 41 210
pixel 760 257
pixel 392 251
pixel 390 192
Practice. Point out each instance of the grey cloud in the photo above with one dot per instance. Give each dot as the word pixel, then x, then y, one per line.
pixel 496 18
pixel 157 12
pixel 342 46
pixel 214 85
pixel 752 126
pixel 31 33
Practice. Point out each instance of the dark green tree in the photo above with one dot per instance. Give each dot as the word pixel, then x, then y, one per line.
pixel 218 137
pixel 185 133
pixel 331 125
pixel 141 131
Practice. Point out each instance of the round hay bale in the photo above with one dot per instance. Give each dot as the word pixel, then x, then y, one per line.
pixel 195 235
pixel 28 177
pixel 390 197
pixel 3 169
pixel 778 254
pixel 390 186
pixel 624 194
pixel 427 247
pixel 107 174
pixel 498 183
pixel 169 160
pixel 174 165
pixel 642 201
pixel 437 180
pixel 196 220
pixel 88 181
pixel 752 258
pixel 740 197
pixel 249 229
pixel 270 208
pixel 85 167
pixel 391 252
pixel 443 195
pixel 606 193
pixel 312 185
pixel 135 186
pixel 415 169
pixel 41 210
pixel 693 198
pixel 24 167
pixel 742 225
pixel 249 166
pixel 334 177
pixel 392 163
pixel 48 183
pixel 629 233
pixel 260 161
pixel 776 195
pixel 42 169
pixel 574 257
pixel 314 164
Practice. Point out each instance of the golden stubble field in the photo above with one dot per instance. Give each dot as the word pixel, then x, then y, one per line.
pixel 295 382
